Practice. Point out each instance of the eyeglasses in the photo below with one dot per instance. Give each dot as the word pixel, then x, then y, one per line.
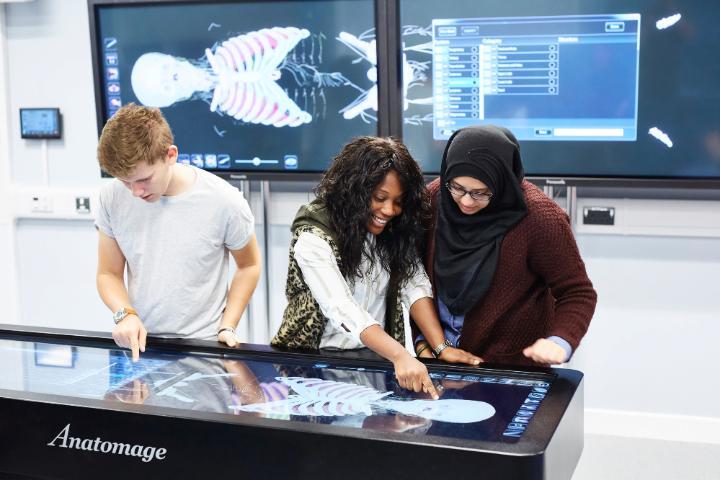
pixel 458 192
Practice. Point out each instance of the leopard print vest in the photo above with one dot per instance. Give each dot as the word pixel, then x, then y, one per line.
pixel 303 322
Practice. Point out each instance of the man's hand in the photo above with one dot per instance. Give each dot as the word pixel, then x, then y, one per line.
pixel 413 375
pixel 229 338
pixel 545 351
pixel 130 333
pixel 457 355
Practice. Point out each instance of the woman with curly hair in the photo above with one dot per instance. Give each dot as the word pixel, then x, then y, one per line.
pixel 355 260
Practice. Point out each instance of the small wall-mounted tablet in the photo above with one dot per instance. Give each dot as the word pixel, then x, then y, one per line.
pixel 40 123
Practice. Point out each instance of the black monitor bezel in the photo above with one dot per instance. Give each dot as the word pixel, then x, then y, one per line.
pixel 533 442
pixel 237 174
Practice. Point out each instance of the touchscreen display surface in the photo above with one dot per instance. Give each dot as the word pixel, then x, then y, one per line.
pixel 483 406
pixel 39 123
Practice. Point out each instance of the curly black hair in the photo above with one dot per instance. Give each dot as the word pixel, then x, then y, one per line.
pixel 346 190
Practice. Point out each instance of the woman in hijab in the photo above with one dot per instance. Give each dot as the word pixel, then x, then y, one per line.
pixel 509 281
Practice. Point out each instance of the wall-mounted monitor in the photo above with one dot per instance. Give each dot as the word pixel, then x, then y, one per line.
pixel 39 123
pixel 598 89
pixel 252 87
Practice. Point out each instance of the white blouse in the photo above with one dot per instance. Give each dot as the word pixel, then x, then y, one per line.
pixel 350 310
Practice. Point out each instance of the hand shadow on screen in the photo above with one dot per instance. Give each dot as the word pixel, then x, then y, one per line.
pixel 217 382
pixel 397 423
pixel 248 388
pixel 135 391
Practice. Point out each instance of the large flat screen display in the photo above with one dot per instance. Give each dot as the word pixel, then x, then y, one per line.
pixel 592 89
pixel 249 86
pixel 483 406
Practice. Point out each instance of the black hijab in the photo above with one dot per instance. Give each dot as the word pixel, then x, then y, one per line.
pixel 467 247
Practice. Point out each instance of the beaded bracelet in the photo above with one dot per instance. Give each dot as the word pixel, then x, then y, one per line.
pixel 424 347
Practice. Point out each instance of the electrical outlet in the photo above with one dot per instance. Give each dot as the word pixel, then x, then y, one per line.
pixel 41 203
pixel 599 216
pixel 82 205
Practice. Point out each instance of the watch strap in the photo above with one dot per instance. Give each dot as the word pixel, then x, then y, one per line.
pixel 122 313
pixel 439 349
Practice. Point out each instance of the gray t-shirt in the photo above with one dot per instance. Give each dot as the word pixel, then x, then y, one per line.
pixel 177 251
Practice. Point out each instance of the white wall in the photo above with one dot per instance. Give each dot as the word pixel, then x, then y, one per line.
pixel 49 65
pixel 7 254
pixel 48 60
pixel 649 346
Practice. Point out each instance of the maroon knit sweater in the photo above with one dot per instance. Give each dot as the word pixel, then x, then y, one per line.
pixel 540 287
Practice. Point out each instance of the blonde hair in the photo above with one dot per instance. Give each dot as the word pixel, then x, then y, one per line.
pixel 133 135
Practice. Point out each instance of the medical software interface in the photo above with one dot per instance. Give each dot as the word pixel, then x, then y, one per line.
pixel 571 77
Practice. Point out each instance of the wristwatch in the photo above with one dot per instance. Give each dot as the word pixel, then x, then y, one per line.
pixel 226 329
pixel 122 313
pixel 438 350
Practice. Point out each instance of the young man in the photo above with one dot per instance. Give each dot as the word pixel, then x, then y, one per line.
pixel 172 226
